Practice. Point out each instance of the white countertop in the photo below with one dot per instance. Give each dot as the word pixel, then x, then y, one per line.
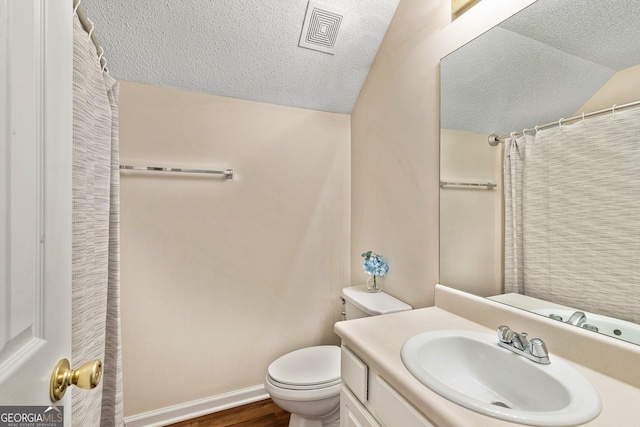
pixel 378 340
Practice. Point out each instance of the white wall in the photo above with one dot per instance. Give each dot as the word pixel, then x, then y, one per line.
pixel 219 278
pixel 395 142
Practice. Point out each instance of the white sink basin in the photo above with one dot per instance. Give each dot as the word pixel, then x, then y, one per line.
pixel 470 369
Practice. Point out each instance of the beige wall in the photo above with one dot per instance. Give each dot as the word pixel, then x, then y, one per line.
pixel 622 88
pixel 221 277
pixel 471 225
pixel 395 142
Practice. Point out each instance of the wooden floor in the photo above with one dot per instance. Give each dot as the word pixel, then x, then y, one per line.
pixel 264 413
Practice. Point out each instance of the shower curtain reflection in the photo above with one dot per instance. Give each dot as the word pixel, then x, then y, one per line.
pixel 572 214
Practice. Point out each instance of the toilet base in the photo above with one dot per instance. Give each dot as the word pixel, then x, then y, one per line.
pixel 308 408
pixel 333 420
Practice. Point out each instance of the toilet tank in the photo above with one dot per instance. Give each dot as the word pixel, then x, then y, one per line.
pixel 359 302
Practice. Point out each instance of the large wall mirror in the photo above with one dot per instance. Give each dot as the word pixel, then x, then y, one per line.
pixel 552 60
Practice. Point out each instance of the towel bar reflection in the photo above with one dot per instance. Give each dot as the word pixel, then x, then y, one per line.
pixel 228 173
pixel 488 185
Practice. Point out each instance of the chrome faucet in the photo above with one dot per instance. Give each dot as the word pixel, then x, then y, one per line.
pixel 577 319
pixel 534 350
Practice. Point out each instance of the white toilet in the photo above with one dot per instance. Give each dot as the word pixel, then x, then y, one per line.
pixel 306 382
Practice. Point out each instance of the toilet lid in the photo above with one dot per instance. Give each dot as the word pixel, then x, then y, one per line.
pixel 307 366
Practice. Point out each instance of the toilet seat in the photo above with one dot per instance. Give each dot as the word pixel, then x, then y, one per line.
pixel 311 394
pixel 309 368
pixel 303 387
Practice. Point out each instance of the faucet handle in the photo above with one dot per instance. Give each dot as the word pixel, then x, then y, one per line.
pixel 505 334
pixel 577 319
pixel 538 348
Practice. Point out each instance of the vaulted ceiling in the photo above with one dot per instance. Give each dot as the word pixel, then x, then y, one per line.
pixel 247 49
pixel 540 65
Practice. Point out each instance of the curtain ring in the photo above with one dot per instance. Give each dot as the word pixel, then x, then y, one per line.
pixel 613 110
pixel 583 121
pixel 92 27
pixel 75 9
pixel 560 122
pixel 536 129
pixel 101 57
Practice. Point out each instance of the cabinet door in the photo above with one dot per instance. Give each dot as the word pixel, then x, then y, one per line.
pixel 352 413
pixel 393 410
pixel 354 374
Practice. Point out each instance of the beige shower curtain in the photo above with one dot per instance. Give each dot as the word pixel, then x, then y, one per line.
pixel 96 228
pixel 572 215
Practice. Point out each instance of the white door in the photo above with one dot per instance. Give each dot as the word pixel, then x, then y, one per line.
pixel 36 53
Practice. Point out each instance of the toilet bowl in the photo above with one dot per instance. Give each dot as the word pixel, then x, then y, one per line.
pixel 306 382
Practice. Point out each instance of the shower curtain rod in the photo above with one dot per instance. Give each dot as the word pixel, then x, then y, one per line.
pixel 89 27
pixel 495 139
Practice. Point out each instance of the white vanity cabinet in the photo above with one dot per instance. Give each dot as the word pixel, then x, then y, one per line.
pixel 352 413
pixel 367 400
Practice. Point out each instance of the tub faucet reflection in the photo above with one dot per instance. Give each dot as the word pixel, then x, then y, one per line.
pixel 578 318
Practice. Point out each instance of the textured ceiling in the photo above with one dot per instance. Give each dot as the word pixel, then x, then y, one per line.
pixel 245 49
pixel 538 66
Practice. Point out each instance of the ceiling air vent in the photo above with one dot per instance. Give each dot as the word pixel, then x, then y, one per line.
pixel 320 28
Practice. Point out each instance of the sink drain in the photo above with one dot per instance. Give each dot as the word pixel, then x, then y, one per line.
pixel 502 404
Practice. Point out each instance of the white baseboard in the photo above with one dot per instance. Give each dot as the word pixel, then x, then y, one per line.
pixel 197 408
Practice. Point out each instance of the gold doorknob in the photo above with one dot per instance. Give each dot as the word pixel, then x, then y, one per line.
pixel 86 376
